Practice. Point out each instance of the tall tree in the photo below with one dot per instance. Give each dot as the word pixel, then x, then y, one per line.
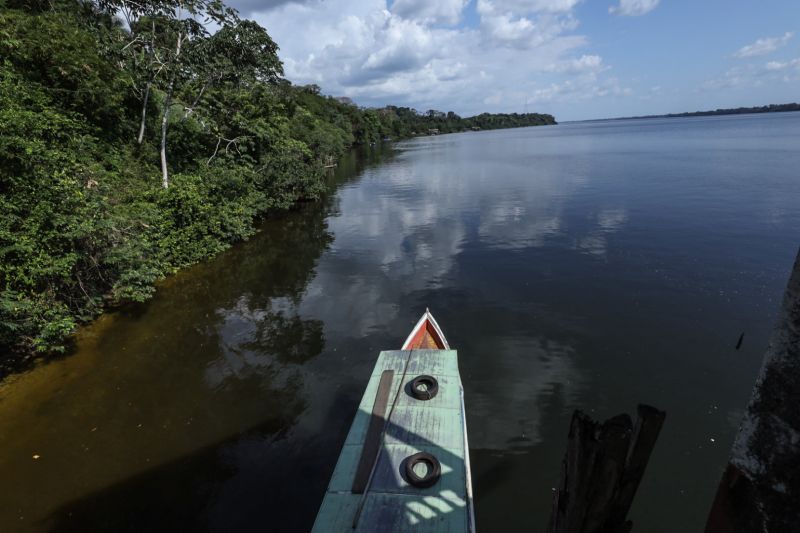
pixel 139 45
pixel 175 28
pixel 186 24
pixel 238 54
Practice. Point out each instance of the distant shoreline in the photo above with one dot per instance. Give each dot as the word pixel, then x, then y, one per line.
pixel 772 108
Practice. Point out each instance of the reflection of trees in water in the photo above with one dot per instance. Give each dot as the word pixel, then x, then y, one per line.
pixel 260 332
pixel 290 339
pixel 269 342
pixel 277 262
pixel 220 357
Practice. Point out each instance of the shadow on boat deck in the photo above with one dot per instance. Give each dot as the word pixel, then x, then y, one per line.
pixel 392 502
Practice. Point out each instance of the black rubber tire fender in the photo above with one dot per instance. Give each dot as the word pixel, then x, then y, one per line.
pixel 432 387
pixel 431 476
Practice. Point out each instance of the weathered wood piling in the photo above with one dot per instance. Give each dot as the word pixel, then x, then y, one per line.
pixel 760 488
pixel 601 471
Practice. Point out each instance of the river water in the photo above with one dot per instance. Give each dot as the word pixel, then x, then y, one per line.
pixel 582 266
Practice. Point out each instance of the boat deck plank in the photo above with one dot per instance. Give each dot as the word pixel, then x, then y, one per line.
pixel 389 513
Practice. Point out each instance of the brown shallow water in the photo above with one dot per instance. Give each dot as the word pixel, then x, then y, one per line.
pixel 587 266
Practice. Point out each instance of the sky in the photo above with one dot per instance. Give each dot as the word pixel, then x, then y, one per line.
pixel 575 59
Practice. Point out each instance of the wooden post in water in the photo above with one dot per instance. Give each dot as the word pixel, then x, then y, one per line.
pixel 760 488
pixel 601 471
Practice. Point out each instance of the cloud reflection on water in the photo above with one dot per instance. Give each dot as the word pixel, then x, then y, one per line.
pixel 505 399
pixel 401 237
pixel 607 222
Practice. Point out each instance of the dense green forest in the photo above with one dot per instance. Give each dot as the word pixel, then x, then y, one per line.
pixel 135 141
pixel 772 108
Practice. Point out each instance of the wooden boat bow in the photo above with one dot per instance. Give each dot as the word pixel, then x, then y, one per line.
pixel 426 335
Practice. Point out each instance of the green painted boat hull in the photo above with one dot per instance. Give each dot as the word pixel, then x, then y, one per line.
pixel 436 426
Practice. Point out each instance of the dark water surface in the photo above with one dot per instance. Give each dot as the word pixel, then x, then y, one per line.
pixel 589 266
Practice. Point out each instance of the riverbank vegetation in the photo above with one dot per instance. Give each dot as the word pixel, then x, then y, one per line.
pixel 136 141
pixel 771 108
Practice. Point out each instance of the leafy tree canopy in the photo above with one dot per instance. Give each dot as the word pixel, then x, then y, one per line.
pixel 105 103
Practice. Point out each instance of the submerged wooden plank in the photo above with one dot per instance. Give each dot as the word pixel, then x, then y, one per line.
pixel 601 471
pixel 645 433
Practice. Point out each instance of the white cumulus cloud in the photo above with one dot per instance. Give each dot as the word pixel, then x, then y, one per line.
pixel 763 46
pixel 751 76
pixel 422 54
pixel 584 64
pixel 633 8
pixel 521 29
pixel 783 65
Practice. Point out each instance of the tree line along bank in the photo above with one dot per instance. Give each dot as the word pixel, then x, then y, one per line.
pixel 135 141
